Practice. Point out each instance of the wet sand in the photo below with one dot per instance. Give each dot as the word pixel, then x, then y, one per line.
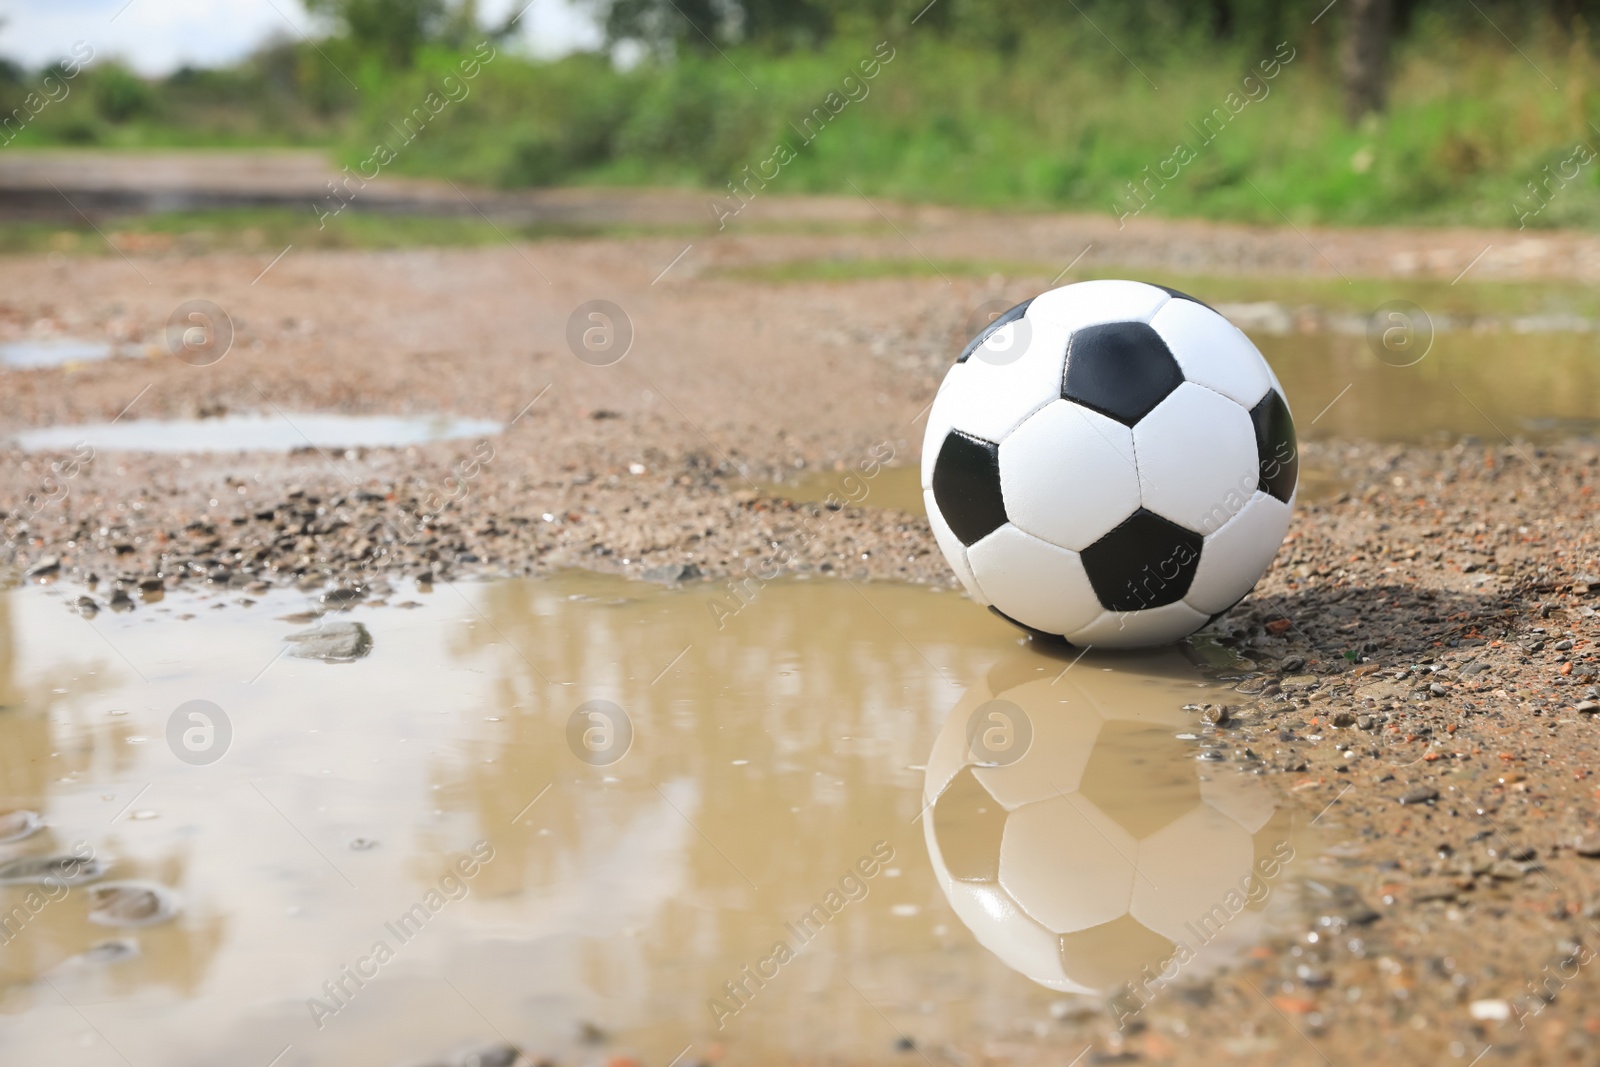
pixel 1416 672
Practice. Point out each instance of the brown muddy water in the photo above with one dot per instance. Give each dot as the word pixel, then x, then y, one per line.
pixel 1437 387
pixel 576 815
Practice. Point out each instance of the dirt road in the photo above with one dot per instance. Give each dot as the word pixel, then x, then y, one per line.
pixel 1423 648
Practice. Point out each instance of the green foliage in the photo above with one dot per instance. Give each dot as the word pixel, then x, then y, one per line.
pixel 119 94
pixel 1032 105
pixel 393 30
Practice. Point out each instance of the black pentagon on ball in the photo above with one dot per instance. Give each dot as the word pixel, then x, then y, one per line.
pixel 1275 445
pixel 1000 320
pixel 1184 296
pixel 1120 369
pixel 966 486
pixel 1146 562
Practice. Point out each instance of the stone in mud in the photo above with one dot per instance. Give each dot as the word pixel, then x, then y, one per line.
pixel 1506 871
pixel 1588 845
pixel 86 606
pixel 50 870
pixel 45 567
pixel 131 904
pixel 1586 707
pixel 1495 1011
pixel 342 597
pixel 15 825
pixel 1419 794
pixel 1336 904
pixel 1433 889
pixel 491 1056
pixel 672 573
pixel 337 642
pixel 1217 714
pixel 114 950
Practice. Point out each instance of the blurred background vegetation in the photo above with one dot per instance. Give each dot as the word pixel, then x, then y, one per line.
pixel 1390 110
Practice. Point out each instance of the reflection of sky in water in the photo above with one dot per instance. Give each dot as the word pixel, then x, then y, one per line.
pixel 768 758
pixel 52 352
pixel 256 433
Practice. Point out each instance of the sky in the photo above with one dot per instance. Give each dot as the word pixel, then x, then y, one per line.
pixel 157 36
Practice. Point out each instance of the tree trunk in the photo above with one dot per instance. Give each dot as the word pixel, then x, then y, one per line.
pixel 1364 58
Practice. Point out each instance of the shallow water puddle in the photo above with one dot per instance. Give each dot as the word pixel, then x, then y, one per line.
pixel 256 433
pixel 898 488
pixel 52 352
pixel 1488 385
pixel 576 814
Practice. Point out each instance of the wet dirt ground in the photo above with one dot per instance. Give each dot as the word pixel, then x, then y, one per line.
pixel 1415 676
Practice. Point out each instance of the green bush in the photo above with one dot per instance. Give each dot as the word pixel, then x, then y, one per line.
pixel 119 94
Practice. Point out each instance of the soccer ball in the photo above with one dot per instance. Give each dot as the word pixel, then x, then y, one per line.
pixel 1074 835
pixel 1110 462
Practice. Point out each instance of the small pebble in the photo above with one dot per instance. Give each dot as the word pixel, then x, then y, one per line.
pixel 493 1056
pixel 15 825
pixel 1490 1010
pixel 1420 794
pixel 48 870
pixel 113 951
pixel 131 904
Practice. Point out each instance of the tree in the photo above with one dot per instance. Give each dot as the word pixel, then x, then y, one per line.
pixel 391 29
pixel 698 25
pixel 1364 57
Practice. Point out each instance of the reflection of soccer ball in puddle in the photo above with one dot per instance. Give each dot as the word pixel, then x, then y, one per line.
pixel 1073 834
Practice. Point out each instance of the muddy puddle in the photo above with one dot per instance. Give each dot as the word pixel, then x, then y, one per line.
pixel 896 488
pixel 256 433
pixel 1491 386
pixel 574 814
pixel 52 352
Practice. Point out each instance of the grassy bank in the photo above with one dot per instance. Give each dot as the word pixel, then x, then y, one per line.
pixel 1057 120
